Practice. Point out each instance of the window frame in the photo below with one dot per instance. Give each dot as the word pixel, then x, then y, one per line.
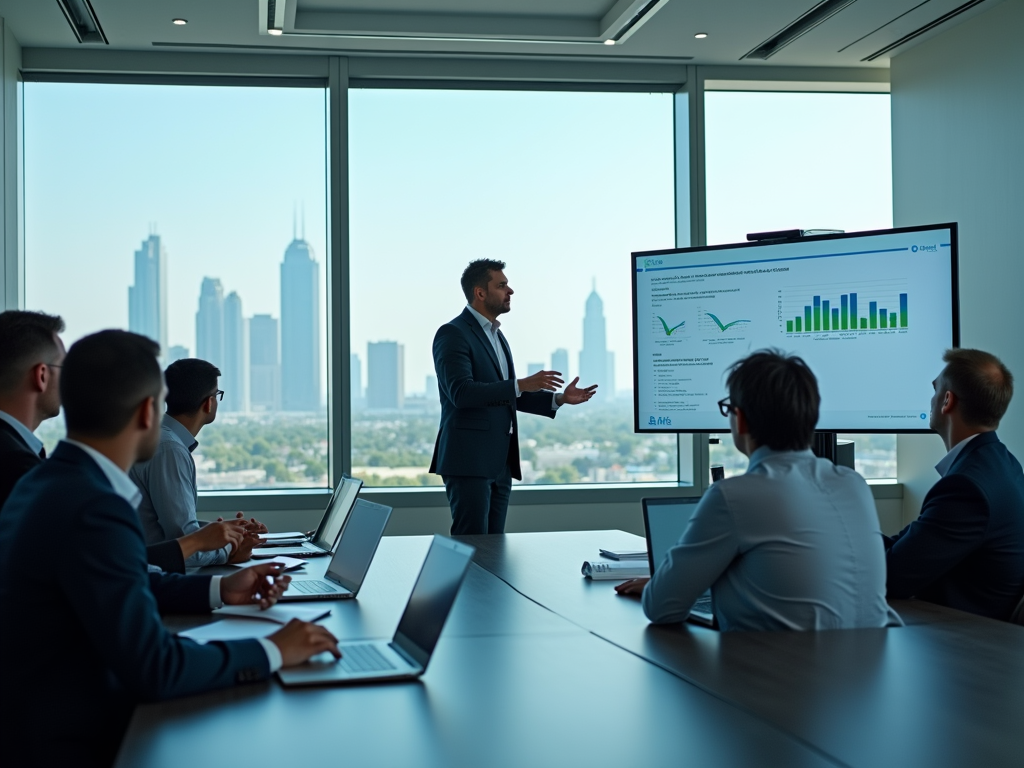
pixel 338 74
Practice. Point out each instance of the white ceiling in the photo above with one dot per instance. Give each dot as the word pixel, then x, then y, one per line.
pixel 734 27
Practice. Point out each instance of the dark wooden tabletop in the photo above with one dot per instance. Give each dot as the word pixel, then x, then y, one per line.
pixel 946 690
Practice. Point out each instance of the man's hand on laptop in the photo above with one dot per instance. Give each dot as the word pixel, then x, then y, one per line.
pixel 212 537
pixel 299 641
pixel 632 587
pixel 260 584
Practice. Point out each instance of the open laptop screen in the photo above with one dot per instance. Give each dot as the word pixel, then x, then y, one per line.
pixel 664 523
pixel 432 597
pixel 337 512
pixel 358 544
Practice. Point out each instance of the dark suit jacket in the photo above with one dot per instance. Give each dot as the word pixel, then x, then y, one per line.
pixel 966 550
pixel 82 641
pixel 477 405
pixel 17 459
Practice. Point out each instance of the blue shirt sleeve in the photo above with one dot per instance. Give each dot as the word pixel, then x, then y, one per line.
pixel 708 545
pixel 172 490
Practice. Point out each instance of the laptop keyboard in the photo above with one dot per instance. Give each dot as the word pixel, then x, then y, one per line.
pixel 703 605
pixel 363 658
pixel 313 587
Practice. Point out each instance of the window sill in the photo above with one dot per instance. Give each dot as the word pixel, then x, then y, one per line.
pixel 223 503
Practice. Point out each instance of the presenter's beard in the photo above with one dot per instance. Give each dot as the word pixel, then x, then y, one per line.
pixel 500 307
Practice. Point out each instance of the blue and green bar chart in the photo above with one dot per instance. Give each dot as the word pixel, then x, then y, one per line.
pixel 847 314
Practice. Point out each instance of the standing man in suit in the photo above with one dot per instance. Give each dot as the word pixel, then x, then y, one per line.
pixel 477 447
pixel 97 644
pixel 31 358
pixel 966 549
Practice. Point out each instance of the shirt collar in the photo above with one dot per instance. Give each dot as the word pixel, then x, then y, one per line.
pixel 760 455
pixel 33 442
pixel 486 324
pixel 947 461
pixel 122 484
pixel 178 429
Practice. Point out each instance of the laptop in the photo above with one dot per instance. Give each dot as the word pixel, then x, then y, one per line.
pixel 351 561
pixel 406 656
pixel 664 523
pixel 331 523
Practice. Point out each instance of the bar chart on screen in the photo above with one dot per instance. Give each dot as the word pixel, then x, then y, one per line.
pixel 850 308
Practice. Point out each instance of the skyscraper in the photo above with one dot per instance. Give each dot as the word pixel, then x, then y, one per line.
pixel 210 322
pixel 594 355
pixel 147 299
pixel 560 362
pixel 300 328
pixel 176 353
pixel 264 364
pixel 385 379
pixel 234 378
pixel 356 382
pixel 532 368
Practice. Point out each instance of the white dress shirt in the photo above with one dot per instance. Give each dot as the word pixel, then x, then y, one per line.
pixel 127 490
pixel 24 432
pixel 491 331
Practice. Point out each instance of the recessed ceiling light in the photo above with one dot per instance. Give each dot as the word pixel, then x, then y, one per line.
pixel 701 35
pixel 274 32
pixel 609 42
pixel 179 22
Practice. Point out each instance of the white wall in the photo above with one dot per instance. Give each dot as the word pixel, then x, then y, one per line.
pixel 958 155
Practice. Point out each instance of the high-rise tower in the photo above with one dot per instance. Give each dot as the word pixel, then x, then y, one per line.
pixel 210 323
pixel 147 299
pixel 385 377
pixel 300 328
pixel 594 358
pixel 264 364
pixel 234 371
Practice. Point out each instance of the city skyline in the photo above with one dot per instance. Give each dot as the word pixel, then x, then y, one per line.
pixel 147 298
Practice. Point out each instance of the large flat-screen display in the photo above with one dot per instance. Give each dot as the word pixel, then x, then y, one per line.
pixel 870 312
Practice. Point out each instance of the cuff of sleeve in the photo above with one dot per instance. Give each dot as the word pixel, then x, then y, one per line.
pixel 273 654
pixel 516 382
pixel 215 598
pixel 555 405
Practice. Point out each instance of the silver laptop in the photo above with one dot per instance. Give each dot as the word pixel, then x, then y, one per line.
pixel 664 523
pixel 351 561
pixel 406 656
pixel 326 536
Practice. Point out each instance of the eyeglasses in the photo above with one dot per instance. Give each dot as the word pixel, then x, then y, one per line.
pixel 726 407
pixel 219 394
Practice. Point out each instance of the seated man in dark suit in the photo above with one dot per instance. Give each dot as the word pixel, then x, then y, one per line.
pixel 31 357
pixel 966 550
pixel 83 641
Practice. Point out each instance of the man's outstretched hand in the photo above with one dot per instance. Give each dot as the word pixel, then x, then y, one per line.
pixel 259 584
pixel 573 395
pixel 541 381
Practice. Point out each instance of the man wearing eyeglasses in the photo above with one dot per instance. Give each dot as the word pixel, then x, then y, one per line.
pixel 168 480
pixel 794 543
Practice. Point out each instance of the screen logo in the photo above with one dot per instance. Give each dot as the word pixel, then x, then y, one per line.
pixel 661 421
pixel 924 248
pixel 648 263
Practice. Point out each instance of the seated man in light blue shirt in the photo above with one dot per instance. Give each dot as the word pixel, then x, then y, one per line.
pixel 792 544
pixel 168 480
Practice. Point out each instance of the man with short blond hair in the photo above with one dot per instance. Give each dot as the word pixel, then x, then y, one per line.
pixel 966 549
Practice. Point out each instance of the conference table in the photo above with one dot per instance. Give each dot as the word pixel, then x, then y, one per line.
pixel 540 667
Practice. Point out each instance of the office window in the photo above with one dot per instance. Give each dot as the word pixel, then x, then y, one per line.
pixel 560 186
pixel 196 216
pixel 799 161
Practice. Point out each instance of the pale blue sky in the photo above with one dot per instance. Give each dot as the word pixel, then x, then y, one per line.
pixel 562 186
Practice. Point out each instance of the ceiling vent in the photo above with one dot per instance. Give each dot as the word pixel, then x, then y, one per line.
pixel 921 30
pixel 83 21
pixel 818 14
